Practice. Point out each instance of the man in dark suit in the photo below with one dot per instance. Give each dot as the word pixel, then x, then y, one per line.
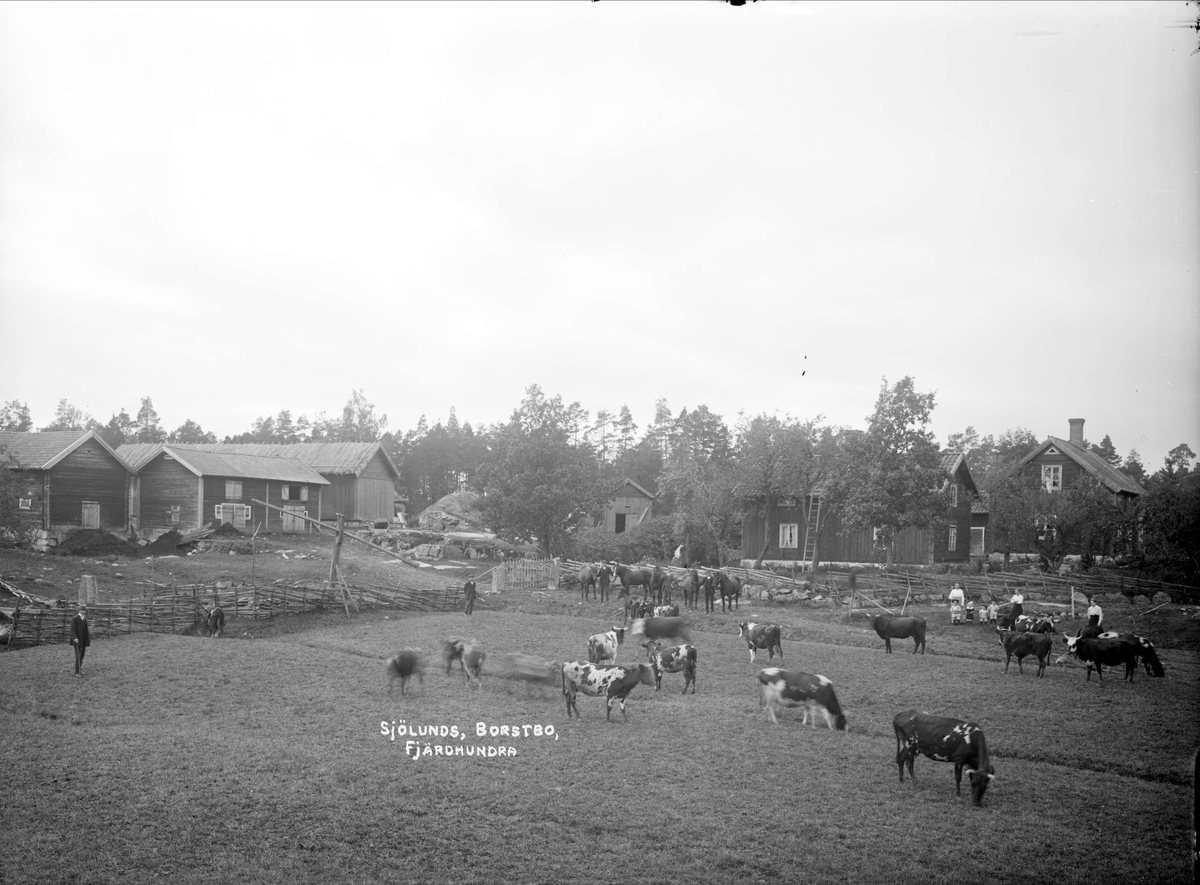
pixel 469 594
pixel 81 638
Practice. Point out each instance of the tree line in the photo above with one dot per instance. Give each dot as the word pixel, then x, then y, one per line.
pixel 546 473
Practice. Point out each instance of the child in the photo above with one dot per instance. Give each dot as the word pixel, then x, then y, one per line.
pixel 971 610
pixel 993 613
pixel 955 612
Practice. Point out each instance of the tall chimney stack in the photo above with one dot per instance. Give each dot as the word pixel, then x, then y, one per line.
pixel 1076 438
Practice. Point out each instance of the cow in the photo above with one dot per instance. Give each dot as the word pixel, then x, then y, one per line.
pixel 945 740
pixel 659 628
pixel 730 589
pixel 1034 624
pixel 1023 645
pixel 679 659
pixel 470 656
pixel 602 647
pixel 1100 653
pixel 764 636
pixel 665 611
pixel 406 664
pixel 691 588
pixel 612 683
pixel 791 688
pixel 529 669
pixel 1146 651
pixel 214 622
pixel 660 585
pixel 639 608
pixel 633 577
pixel 891 627
pixel 452 650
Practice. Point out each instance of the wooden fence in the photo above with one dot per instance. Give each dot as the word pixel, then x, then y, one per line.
pixel 525 574
pixel 178 609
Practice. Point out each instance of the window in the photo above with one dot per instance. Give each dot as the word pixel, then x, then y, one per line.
pixel 954 497
pixel 233 489
pixel 1052 477
pixel 295 493
pixel 952 541
pixel 173 515
pixel 25 503
pixel 235 514
pixel 789 533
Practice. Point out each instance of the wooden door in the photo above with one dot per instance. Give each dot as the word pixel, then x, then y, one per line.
pixel 292 524
pixel 91 515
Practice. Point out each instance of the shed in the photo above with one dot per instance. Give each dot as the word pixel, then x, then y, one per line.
pixel 631 505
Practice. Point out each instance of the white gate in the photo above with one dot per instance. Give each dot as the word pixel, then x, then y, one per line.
pixel 525 574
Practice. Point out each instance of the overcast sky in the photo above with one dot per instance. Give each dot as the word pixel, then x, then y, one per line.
pixel 237 208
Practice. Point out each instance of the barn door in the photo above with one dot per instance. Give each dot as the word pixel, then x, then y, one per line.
pixel 292 524
pixel 91 514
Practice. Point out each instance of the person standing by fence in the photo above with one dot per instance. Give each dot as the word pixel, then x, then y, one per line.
pixel 469 594
pixel 81 638
pixel 1095 614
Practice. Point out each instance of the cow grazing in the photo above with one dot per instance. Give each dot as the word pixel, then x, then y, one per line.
pixel 602 647
pixel 1145 649
pixel 944 740
pixel 680 659
pixel 611 683
pixel 1100 653
pixel 214 622
pixel 730 589
pixel 761 636
pixel 791 688
pixel 406 664
pixel 659 628
pixel 891 627
pixel 470 656
pixel 666 611
pixel 1023 645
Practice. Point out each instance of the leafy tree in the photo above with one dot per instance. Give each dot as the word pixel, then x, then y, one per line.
pixel 191 432
pixel 991 457
pixel 10 493
pixel 1171 524
pixel 892 476
pixel 359 421
pixel 702 481
pixel 434 462
pixel 15 416
pixel 148 428
pixel 536 482
pixel 600 435
pixel 69 417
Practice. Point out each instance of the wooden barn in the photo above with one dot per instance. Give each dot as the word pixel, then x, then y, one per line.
pixel 180 488
pixel 362 477
pixel 803 531
pixel 631 505
pixel 68 479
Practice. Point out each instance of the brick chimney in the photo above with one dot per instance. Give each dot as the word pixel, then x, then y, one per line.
pixel 1076 438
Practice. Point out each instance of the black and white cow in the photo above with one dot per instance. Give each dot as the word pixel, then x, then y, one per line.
pixel 791 688
pixel 611 683
pixel 679 659
pixel 761 636
pixel 1100 653
pixel 945 740
pixel 403 666
pixel 659 628
pixel 665 611
pixel 1035 624
pixel 602 647
pixel 1145 649
pixel 1024 645
pixel 214 622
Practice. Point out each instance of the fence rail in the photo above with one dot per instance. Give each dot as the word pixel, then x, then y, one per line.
pixel 525 574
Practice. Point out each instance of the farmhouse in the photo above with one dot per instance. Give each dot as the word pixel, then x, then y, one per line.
pixel 68 479
pixel 183 488
pixel 797 531
pixel 631 505
pixel 362 477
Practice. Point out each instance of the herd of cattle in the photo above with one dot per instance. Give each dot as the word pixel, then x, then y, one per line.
pixel 655 620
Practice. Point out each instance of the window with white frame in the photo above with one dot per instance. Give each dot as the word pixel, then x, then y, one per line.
pixel 295 493
pixel 173 515
pixel 236 515
pixel 233 490
pixel 25 503
pixel 789 534
pixel 1052 477
pixel 953 497
pixel 952 541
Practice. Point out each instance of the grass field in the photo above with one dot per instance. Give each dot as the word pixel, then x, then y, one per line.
pixel 262 760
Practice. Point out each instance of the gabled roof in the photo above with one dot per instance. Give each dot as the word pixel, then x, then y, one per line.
pixel 1113 479
pixel 240 466
pixel 952 462
pixel 630 482
pixel 41 451
pixel 329 458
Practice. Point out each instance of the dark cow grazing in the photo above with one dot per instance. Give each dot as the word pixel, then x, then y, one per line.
pixel 659 628
pixel 633 577
pixel 470 656
pixel 1100 653
pixel 691 588
pixel 1023 645
pixel 529 669
pixel 891 627
pixel 730 589
pixel 944 740
pixel 611 683
pixel 1145 649
pixel 708 585
pixel 406 664
pixel 214 622
pixel 680 659
pixel 602 647
pixel 761 636
pixel 665 611
pixel 791 688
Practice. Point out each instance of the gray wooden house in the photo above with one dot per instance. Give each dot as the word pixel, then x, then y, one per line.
pixel 68 479
pixel 631 505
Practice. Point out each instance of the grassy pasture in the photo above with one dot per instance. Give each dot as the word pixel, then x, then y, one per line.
pixel 262 759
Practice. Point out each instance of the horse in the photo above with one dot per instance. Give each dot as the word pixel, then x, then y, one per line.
pixel 730 589
pixel 633 577
pixel 660 586
pixel 691 588
pixel 588 577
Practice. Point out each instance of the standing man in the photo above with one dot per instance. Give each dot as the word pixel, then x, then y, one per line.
pixel 469 593
pixel 81 638
pixel 1095 614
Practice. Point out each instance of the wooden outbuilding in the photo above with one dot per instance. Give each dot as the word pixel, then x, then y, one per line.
pixel 68 479
pixel 631 505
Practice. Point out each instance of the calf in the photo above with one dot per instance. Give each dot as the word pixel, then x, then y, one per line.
pixel 764 636
pixel 1101 653
pixel 214 622
pixel 602 647
pixel 659 628
pixel 944 740
pixel 612 683
pixel 406 664
pixel 680 659
pixel 791 688
pixel 1022 645
pixel 666 611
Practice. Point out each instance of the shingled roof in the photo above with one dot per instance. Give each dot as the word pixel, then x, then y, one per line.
pixel 41 451
pixel 227 463
pixel 1113 479
pixel 328 458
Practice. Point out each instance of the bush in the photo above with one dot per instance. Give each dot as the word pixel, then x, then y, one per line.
pixel 650 540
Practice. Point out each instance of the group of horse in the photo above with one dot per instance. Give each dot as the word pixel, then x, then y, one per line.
pixel 658 586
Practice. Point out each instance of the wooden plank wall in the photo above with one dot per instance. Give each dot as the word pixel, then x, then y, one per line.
pixel 89 473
